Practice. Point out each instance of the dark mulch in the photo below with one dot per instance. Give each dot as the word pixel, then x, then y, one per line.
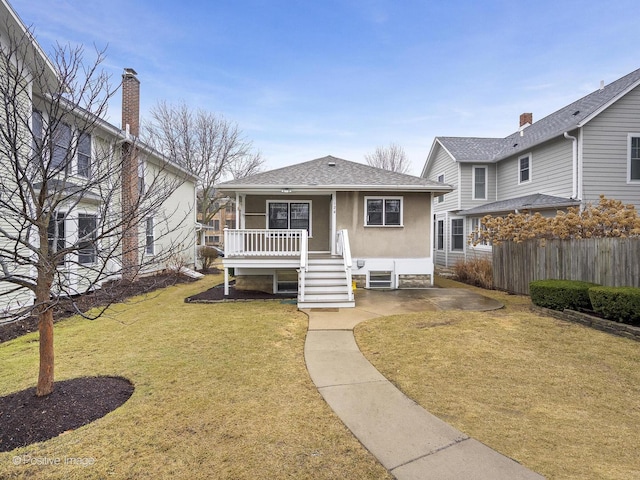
pixel 26 419
pixel 111 292
pixel 216 294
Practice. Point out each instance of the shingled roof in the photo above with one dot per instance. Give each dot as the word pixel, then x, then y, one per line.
pixel 537 201
pixel 574 115
pixel 331 173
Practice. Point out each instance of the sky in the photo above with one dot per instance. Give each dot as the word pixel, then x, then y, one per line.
pixel 308 78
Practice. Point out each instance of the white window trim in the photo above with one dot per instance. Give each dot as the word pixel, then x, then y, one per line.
pixel 444 234
pixel 440 199
pixel 383 198
pixel 291 201
pixel 530 168
pixel 464 243
pixel 486 180
pixel 472 229
pixel 629 137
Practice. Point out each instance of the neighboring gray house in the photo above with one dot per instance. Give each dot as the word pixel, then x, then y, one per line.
pixel 571 157
pixel 314 227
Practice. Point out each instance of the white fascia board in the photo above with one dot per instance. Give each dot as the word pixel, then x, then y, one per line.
pixel 326 189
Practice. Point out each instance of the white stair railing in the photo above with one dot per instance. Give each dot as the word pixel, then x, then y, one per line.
pixel 304 263
pixel 344 248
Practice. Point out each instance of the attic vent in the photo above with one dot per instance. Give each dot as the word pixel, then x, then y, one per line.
pixel 576 113
pixel 331 163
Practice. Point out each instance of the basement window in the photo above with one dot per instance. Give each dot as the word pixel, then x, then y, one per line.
pixel 286 281
pixel 379 279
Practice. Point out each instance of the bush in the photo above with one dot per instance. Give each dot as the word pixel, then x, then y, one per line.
pixel 476 271
pixel 561 294
pixel 621 304
pixel 207 255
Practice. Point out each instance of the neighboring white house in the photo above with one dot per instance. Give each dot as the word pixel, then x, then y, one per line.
pixel 587 148
pixel 170 228
pixel 315 227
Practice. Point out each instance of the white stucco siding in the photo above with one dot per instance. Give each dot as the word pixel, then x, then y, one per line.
pixel 551 166
pixel 444 164
pixel 605 151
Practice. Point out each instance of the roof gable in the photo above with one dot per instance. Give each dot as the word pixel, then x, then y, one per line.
pixel 332 173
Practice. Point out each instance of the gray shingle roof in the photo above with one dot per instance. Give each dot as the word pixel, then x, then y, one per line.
pixel 334 173
pixel 468 149
pixel 537 201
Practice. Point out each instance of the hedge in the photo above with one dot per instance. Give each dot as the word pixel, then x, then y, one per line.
pixel 561 294
pixel 621 304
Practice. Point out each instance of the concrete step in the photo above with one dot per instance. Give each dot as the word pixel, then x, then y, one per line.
pixel 308 304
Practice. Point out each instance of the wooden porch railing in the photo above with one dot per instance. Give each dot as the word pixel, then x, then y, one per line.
pixel 264 243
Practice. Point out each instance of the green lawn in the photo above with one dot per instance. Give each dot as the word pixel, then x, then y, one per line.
pixel 221 391
pixel 560 398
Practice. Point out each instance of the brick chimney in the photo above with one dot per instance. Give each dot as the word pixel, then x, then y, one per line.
pixel 130 194
pixel 526 118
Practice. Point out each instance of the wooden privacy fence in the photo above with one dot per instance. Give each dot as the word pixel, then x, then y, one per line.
pixel 607 261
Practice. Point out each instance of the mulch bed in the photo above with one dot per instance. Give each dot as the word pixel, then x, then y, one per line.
pixel 26 419
pixel 216 294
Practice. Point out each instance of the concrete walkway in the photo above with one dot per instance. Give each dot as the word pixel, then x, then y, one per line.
pixel 409 441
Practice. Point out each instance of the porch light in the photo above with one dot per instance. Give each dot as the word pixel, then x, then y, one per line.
pixel 286 190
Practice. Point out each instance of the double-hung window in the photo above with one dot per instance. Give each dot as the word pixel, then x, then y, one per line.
pixel 383 211
pixel 294 215
pixel 37 126
pixel 476 228
pixel 87 249
pixel 440 235
pixel 149 248
pixel 457 234
pixel 479 183
pixel 441 180
pixel 634 158
pixel 61 146
pixel 524 169
pixel 56 235
pixel 84 155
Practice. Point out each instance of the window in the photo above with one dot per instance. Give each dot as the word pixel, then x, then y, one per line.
pixel 479 183
pixel 524 165
pixel 457 234
pixel 61 146
pixel 289 215
pixel 56 234
pixel 140 177
pixel 440 235
pixel 286 281
pixel 84 155
pixel 634 158
pixel 386 211
pixel 149 247
pixel 216 225
pixel 476 226
pixel 441 180
pixel 37 126
pixel 231 224
pixel 87 251
pixel 379 279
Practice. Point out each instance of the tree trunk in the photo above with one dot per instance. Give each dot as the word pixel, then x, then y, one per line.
pixel 45 377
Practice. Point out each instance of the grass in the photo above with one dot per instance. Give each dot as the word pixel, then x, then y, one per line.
pixel 221 391
pixel 560 398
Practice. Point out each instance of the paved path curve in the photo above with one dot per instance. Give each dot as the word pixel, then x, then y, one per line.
pixel 409 442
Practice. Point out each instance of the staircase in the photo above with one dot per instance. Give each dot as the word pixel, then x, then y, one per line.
pixel 325 284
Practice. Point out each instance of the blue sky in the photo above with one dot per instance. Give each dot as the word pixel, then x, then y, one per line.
pixel 304 79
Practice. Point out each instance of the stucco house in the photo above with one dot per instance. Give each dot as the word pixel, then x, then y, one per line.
pixel 316 226
pixel 587 148
pixel 73 161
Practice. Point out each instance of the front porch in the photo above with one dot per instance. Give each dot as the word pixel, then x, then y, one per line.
pixel 323 279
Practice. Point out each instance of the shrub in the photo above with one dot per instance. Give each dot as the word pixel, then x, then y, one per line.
pixel 621 304
pixel 207 256
pixel 561 294
pixel 476 271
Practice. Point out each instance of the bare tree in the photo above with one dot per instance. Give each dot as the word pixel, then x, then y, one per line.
pixel 206 143
pixel 391 158
pixel 62 213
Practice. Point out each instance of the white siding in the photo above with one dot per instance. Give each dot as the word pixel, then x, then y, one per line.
pixel 550 171
pixel 604 149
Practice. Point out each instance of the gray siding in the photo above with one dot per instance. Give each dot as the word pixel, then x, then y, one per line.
pixel 551 171
pixel 443 163
pixel 605 151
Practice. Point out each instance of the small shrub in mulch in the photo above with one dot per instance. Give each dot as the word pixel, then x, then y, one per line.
pixel 26 419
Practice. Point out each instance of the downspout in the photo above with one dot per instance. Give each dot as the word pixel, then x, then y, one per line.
pixel 574 145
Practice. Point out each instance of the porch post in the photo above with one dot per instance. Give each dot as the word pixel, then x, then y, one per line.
pixel 333 223
pixel 226 282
